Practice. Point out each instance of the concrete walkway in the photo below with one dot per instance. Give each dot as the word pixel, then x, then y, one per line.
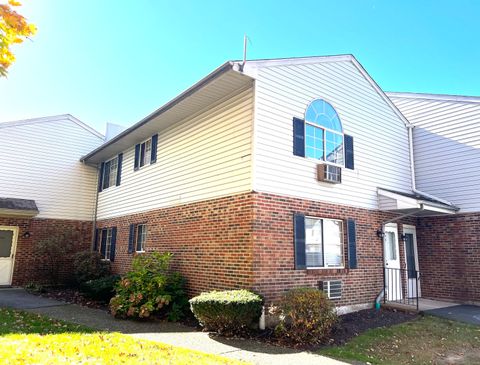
pixel 169 333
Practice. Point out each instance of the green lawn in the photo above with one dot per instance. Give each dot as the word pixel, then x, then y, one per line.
pixel 426 340
pixel 31 339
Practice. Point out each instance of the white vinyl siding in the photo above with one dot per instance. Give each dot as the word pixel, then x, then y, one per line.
pixel 446 148
pixel 380 136
pixel 203 157
pixel 41 161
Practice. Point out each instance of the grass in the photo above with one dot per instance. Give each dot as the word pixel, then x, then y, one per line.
pixel 32 339
pixel 426 340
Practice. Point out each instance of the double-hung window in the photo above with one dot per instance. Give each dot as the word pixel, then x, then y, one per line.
pixel 323 133
pixel 110 173
pixel 145 152
pixel 323 243
pixel 105 242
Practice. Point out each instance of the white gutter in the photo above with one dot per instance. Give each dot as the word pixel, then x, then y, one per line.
pixel 412 170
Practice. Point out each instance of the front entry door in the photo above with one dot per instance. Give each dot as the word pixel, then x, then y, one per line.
pixel 8 243
pixel 411 261
pixel 393 277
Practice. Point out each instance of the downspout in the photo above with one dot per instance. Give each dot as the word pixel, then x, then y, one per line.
pixel 94 226
pixel 412 169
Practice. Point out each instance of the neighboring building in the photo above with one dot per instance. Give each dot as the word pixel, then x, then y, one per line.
pixel 276 174
pixel 45 192
pixel 447 164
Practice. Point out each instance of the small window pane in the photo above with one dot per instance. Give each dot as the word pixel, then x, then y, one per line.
pixel 333 243
pixel 6 241
pixel 390 246
pixel 141 237
pixel 310 130
pixel 334 147
pixel 313 242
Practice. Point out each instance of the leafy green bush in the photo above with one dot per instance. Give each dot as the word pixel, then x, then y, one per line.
pixel 102 289
pixel 150 288
pixel 88 265
pixel 306 316
pixel 227 312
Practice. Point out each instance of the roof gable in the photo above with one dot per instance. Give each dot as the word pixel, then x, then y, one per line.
pixel 52 118
pixel 251 68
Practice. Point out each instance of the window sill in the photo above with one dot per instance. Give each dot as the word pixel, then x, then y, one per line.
pixel 140 251
pixel 326 270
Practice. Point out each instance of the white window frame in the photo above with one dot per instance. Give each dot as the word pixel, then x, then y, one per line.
pixel 143 237
pixel 146 158
pixel 324 130
pixel 342 237
pixel 108 243
pixel 112 177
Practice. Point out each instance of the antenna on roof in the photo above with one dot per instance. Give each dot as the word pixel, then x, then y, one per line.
pixel 245 39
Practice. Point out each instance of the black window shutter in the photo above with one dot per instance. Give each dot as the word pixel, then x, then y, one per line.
pixel 131 238
pixel 137 157
pixel 299 239
pixel 114 242
pixel 298 137
pixel 100 177
pixel 119 168
pixel 349 162
pixel 352 243
pixel 103 244
pixel 95 240
pixel 154 148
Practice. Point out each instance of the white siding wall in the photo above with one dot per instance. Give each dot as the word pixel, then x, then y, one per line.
pixel 446 148
pixel 380 136
pixel 204 157
pixel 40 161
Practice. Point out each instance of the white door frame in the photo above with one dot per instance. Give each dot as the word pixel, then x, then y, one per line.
pixel 393 277
pixel 407 228
pixel 13 250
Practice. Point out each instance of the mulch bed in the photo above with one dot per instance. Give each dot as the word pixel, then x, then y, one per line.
pixel 349 326
pixel 71 296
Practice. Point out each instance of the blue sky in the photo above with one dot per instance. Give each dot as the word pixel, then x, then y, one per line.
pixel 117 61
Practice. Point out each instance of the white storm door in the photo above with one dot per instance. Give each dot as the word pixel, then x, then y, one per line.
pixel 8 243
pixel 411 260
pixel 391 254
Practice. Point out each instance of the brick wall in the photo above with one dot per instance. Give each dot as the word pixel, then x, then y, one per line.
pixel 211 241
pixel 449 256
pixel 31 267
pixel 246 241
pixel 274 249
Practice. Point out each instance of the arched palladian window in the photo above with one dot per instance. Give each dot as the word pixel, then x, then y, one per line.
pixel 323 133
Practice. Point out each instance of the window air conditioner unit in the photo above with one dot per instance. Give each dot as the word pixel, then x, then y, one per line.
pixel 333 288
pixel 329 173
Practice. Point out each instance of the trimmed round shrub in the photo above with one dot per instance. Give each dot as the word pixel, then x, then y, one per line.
pixel 227 312
pixel 102 289
pixel 307 316
pixel 88 265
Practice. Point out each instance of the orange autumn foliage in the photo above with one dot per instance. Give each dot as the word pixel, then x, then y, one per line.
pixel 14 28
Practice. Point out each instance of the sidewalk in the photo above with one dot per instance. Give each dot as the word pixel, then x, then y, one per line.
pixel 170 333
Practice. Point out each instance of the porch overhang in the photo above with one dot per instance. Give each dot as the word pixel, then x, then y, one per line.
pixel 412 204
pixel 14 207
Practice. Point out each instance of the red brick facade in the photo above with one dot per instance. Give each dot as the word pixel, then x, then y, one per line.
pixel 211 241
pixel 246 241
pixel 449 257
pixel 29 266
